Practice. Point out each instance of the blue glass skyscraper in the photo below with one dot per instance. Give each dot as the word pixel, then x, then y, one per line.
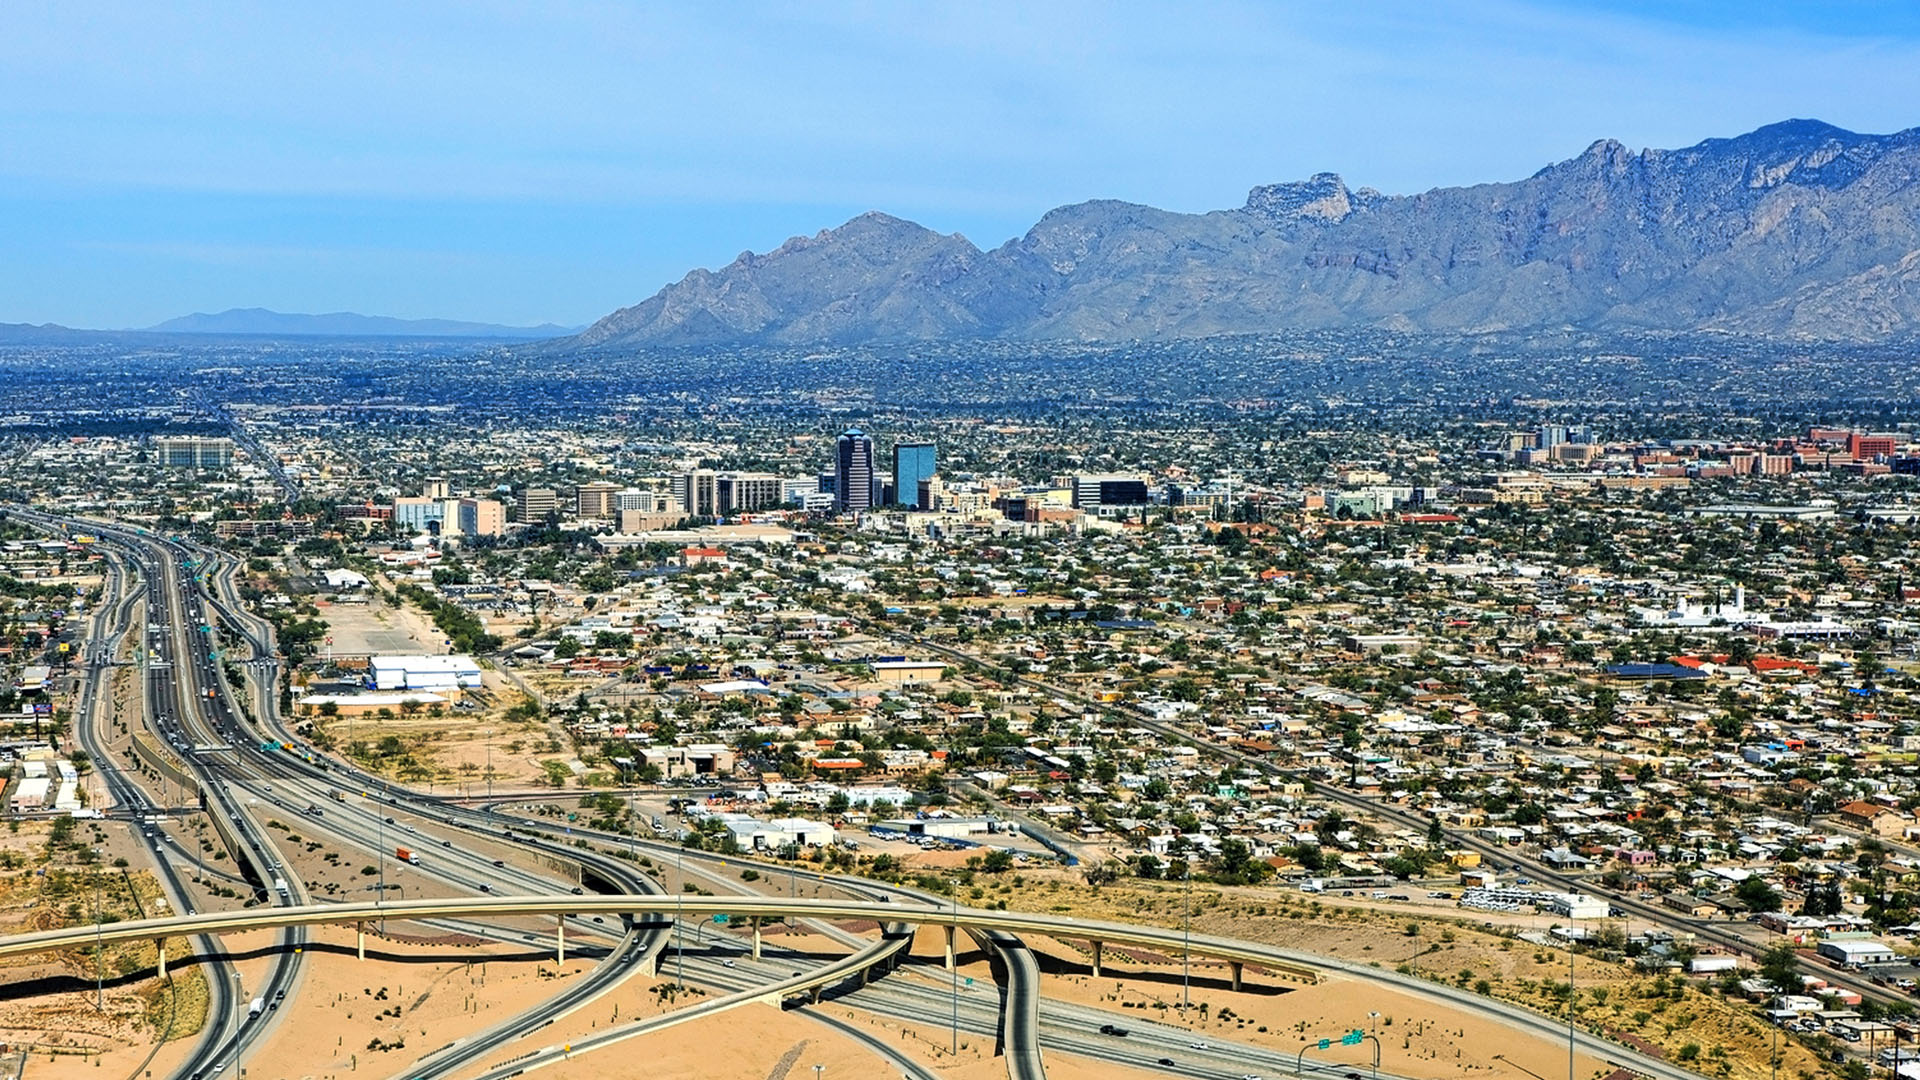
pixel 912 463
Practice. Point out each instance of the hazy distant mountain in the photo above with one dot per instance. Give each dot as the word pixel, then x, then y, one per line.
pixel 43 334
pixel 1798 229
pixel 261 322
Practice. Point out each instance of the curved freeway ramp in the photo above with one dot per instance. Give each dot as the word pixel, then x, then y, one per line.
pixel 1019 1004
pixel 895 938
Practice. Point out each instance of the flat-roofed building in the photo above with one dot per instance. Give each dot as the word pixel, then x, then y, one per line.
pixel 536 503
pixel 595 499
pixel 193 452
pixel 432 673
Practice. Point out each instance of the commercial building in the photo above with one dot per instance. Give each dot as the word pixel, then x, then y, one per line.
pixel 357 705
pixel 419 514
pixel 740 492
pixel 698 491
pixel 1856 951
pixel 696 759
pixel 30 795
pixel 536 504
pixel 646 501
pixel 482 517
pixel 193 452
pixel 432 673
pixel 1109 489
pixel 1869 447
pixel 913 465
pixel 853 472
pixel 594 500
pixel 907 672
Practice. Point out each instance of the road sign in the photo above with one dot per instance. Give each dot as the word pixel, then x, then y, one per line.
pixel 1352 1038
pixel 721 919
pixel 1324 1043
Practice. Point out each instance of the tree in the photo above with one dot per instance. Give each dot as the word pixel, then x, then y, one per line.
pixel 997 861
pixel 1822 901
pixel 1758 895
pixel 1235 865
pixel 557 772
pixel 1780 965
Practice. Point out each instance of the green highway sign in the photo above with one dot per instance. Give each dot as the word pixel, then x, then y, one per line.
pixel 1324 1043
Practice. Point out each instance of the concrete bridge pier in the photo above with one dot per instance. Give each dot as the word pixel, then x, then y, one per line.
pixel 756 939
pixel 1237 968
pixel 1096 959
pixel 950 931
pixel 560 941
pixel 360 939
pixel 162 946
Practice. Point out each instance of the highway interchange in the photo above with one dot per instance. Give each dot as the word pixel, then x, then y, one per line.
pixel 173 611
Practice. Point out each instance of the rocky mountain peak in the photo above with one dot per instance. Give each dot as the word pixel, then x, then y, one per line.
pixel 1322 196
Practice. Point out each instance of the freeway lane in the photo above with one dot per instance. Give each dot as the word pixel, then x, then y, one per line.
pixel 110 624
pixel 205 689
pixel 252 764
pixel 895 938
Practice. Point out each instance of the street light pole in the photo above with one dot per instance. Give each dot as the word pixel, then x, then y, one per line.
pixel 1186 943
pixel 953 963
pixel 99 958
pixel 679 934
pixel 1570 1003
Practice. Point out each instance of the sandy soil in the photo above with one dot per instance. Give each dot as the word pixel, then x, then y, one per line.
pixel 406 999
pixel 755 1042
pixel 1666 1014
pixel 1417 1038
pixel 373 627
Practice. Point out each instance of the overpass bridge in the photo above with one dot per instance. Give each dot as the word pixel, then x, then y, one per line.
pixel 1098 934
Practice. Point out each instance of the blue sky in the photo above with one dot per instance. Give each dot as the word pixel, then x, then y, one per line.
pixel 531 162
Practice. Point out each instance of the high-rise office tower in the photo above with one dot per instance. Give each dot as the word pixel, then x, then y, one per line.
pixel 533 504
pixel 912 463
pixel 698 492
pixel 595 499
pixel 853 472
pixel 750 491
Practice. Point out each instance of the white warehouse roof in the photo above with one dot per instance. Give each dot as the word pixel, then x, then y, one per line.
pixel 423 672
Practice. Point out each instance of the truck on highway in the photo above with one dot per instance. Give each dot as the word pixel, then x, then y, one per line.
pixel 406 856
pixel 280 886
pixel 259 1006
pixel 336 795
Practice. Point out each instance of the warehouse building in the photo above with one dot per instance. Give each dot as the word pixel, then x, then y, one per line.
pixel 430 673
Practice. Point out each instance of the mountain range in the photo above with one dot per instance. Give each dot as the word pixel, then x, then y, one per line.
pixel 1797 230
pixel 261 322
